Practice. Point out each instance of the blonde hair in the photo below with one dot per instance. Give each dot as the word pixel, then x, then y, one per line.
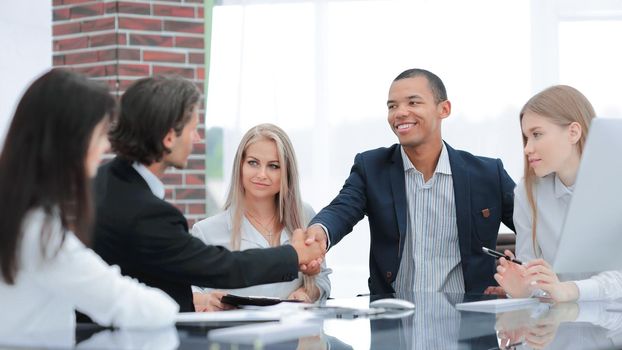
pixel 562 105
pixel 288 203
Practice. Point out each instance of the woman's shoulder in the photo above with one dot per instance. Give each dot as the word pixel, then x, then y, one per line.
pixel 37 221
pixel 37 226
pixel 220 222
pixel 539 184
pixel 308 212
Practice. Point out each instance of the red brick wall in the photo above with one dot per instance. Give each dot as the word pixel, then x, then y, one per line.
pixel 121 41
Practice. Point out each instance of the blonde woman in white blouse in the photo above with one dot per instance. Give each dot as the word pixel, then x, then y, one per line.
pixel 555 124
pixel 52 149
pixel 262 210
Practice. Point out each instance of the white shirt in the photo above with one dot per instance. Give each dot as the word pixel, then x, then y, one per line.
pixel 431 258
pixel 49 288
pixel 552 198
pixel 155 184
pixel 216 230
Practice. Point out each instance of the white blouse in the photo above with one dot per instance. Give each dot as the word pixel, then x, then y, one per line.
pixel 216 230
pixel 51 284
pixel 552 198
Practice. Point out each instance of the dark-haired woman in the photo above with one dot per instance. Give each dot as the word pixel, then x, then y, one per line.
pixel 52 150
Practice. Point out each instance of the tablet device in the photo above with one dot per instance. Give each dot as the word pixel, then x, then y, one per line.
pixel 236 300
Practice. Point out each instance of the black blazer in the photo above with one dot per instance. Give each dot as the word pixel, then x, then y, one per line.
pixel 376 188
pixel 148 239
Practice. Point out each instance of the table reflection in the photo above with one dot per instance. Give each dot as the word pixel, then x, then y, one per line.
pixel 433 324
pixel 159 339
pixel 586 325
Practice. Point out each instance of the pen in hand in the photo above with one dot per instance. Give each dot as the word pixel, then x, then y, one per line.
pixel 498 255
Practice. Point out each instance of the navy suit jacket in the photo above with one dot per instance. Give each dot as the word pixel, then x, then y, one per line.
pixel 484 197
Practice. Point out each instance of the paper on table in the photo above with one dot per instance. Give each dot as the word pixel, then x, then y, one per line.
pixel 265 333
pixel 228 316
pixel 498 305
pixel 248 314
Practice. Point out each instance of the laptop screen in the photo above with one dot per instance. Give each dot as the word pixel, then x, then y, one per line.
pixel 591 239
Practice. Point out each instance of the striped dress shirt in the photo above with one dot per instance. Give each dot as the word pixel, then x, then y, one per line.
pixel 431 257
pixel 434 324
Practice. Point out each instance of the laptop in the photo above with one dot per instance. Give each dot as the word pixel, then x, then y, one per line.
pixel 591 239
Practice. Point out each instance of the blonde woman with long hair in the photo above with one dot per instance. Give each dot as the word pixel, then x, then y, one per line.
pixel 554 123
pixel 262 210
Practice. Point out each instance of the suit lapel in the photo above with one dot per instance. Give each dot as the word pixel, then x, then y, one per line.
pixel 462 193
pixel 398 189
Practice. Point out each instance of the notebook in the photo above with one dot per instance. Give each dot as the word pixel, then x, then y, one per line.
pixel 498 305
pixel 590 240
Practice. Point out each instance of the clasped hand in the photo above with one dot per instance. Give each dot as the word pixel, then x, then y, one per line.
pixel 310 251
pixel 519 281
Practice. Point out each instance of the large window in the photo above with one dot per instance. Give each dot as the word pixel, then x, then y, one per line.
pixel 321 70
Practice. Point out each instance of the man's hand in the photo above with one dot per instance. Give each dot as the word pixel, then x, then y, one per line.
pixel 314 233
pixel 307 254
pixel 495 290
pixel 210 301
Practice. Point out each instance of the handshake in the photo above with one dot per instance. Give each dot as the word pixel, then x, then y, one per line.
pixel 310 245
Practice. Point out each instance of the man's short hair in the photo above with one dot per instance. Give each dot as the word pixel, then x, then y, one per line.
pixel 150 108
pixel 434 82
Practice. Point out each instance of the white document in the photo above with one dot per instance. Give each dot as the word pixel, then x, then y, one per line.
pixel 228 316
pixel 266 333
pixel 498 305
pixel 277 312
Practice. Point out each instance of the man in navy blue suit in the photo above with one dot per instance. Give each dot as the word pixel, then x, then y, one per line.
pixel 431 208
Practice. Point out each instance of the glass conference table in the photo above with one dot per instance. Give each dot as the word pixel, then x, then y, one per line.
pixel 433 324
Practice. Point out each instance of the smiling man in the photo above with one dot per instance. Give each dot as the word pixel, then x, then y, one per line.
pixel 431 208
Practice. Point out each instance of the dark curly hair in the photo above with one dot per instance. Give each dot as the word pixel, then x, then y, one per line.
pixel 434 82
pixel 150 108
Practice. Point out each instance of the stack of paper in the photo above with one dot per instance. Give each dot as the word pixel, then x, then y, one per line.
pixel 498 305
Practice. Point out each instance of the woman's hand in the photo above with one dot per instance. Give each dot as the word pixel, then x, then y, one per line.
pixel 541 335
pixel 210 301
pixel 511 277
pixel 540 274
pixel 543 332
pixel 519 326
pixel 302 295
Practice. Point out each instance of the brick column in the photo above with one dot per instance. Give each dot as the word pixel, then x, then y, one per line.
pixel 121 41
